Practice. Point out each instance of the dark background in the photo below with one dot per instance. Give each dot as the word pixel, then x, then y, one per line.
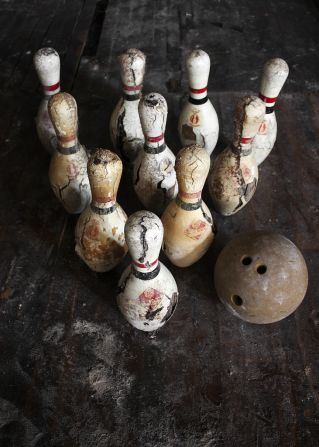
pixel 73 372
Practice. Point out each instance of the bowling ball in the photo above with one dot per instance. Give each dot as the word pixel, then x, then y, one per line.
pixel 261 277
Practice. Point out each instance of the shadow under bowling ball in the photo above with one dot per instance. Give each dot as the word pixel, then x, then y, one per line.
pixel 261 277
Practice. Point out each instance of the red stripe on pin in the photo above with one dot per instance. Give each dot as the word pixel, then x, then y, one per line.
pixel 267 100
pixel 51 88
pixel 198 90
pixel 145 266
pixel 155 139
pixel 66 138
pixel 105 199
pixel 190 195
pixel 132 88
pixel 245 140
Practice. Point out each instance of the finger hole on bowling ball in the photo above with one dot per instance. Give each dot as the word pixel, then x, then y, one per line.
pixel 235 299
pixel 261 269
pixel 246 260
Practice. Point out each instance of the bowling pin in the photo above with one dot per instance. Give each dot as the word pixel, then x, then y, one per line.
pixel 125 126
pixel 275 73
pixel 234 175
pixel 68 167
pixel 147 290
pixel 47 66
pixel 198 121
pixel 99 232
pixel 188 223
pixel 154 175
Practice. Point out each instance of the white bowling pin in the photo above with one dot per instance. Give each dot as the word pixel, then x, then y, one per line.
pixel 188 223
pixel 125 126
pixel 147 290
pixel 68 166
pixel 234 175
pixel 275 73
pixel 99 232
pixel 47 65
pixel 198 121
pixel 154 175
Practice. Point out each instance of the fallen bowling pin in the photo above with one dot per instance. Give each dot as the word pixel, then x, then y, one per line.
pixel 198 121
pixel 99 232
pixel 154 175
pixel 147 290
pixel 68 167
pixel 275 73
pixel 234 175
pixel 125 126
pixel 188 224
pixel 47 65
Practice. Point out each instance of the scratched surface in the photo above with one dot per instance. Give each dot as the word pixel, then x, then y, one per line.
pixel 73 373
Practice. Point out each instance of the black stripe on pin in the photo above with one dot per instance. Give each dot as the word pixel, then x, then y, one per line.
pixel 188 206
pixel 154 150
pixel 102 211
pixel 68 150
pixel 197 102
pixel 132 97
pixel 269 110
pixel 147 275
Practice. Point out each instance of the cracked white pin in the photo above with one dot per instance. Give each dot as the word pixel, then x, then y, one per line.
pixel 68 167
pixel 188 223
pixel 47 65
pixel 125 126
pixel 147 290
pixel 154 175
pixel 99 232
pixel 274 75
pixel 198 121
pixel 234 175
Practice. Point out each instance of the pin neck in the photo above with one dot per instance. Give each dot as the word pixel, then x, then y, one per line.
pixel 102 207
pixel 154 145
pixel 198 96
pixel 132 90
pixel 190 197
pixel 269 103
pixel 148 270
pixel 244 147
pixel 188 206
pixel 50 90
pixel 68 147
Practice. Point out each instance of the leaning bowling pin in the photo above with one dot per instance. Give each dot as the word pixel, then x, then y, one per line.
pixel 234 175
pixel 99 232
pixel 198 121
pixel 68 167
pixel 188 223
pixel 147 290
pixel 275 73
pixel 125 126
pixel 47 66
pixel 154 175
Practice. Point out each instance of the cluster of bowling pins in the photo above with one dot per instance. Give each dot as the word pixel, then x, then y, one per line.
pixel 167 187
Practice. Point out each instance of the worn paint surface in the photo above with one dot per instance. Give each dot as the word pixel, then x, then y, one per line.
pixel 73 372
pixel 234 175
pixel 99 232
pixel 125 126
pixel 147 290
pixel 188 224
pixel 154 176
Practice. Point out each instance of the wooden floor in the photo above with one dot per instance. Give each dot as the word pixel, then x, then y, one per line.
pixel 73 373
